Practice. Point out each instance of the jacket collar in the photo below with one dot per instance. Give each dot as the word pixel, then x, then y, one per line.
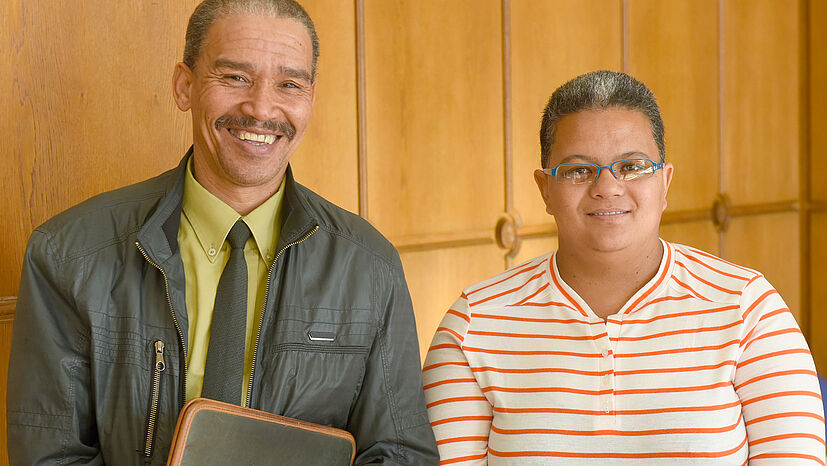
pixel 159 235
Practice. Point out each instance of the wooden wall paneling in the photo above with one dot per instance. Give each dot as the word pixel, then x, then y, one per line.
pixel 770 244
pixel 818 188
pixel 701 235
pixel 818 293
pixel 761 92
pixel 552 42
pixel 533 247
pixel 90 108
pixel 434 116
pixel 437 277
pixel 818 97
pixel 673 49
pixel 327 159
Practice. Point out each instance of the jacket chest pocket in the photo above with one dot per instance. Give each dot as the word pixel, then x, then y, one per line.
pixel 313 370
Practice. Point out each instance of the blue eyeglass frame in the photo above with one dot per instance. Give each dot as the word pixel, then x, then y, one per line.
pixel 553 171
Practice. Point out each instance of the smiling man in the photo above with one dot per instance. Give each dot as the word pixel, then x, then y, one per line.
pixel 619 347
pixel 222 278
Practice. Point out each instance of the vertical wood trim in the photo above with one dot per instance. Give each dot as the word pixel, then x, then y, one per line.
pixel 804 166
pixel 721 117
pixel 361 108
pixel 624 30
pixel 508 144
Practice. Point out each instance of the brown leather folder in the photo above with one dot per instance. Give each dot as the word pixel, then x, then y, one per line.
pixel 210 432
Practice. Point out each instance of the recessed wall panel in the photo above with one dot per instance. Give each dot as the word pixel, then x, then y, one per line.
pixel 818 97
pixel 673 49
pixel 436 278
pixel 701 235
pixel 327 159
pixel 89 109
pixel 434 109
pixel 818 291
pixel 762 78
pixel 551 43
pixel 770 244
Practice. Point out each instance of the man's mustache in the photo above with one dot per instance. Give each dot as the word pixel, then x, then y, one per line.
pixel 250 124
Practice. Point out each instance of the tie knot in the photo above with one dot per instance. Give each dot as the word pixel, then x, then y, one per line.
pixel 238 235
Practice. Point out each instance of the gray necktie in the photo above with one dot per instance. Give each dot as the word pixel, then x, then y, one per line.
pixel 224 370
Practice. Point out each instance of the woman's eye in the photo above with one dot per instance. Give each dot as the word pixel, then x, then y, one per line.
pixel 577 172
pixel 632 167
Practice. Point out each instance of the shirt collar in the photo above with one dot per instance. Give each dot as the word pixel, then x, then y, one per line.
pixel 212 219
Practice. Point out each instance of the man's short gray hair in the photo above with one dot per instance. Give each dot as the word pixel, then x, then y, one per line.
pixel 599 90
pixel 208 11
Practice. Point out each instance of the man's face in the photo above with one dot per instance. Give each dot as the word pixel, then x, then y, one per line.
pixel 251 98
pixel 606 215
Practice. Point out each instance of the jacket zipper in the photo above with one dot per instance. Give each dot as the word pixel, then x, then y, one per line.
pixel 177 329
pixel 266 293
pixel 160 365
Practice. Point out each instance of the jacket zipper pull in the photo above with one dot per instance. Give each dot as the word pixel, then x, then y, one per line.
pixel 160 364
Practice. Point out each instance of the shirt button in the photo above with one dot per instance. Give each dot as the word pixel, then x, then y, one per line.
pixel 607 407
pixel 607 380
pixel 605 353
pixel 211 251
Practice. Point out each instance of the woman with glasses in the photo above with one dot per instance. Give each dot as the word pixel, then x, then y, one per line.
pixel 619 347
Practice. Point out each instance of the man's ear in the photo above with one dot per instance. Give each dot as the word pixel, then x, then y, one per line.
pixel 182 79
pixel 542 183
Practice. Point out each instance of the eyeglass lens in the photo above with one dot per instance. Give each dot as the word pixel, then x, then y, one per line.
pixel 624 170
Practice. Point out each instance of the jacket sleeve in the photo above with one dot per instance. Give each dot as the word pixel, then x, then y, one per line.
pixel 460 414
pixel 389 419
pixel 776 382
pixel 49 412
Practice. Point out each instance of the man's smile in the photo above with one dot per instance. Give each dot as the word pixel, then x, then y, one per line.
pixel 253 138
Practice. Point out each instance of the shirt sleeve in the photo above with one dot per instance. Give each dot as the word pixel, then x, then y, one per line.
pixel 459 412
pixel 776 381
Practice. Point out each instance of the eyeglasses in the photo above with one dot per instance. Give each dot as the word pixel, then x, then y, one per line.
pixel 584 173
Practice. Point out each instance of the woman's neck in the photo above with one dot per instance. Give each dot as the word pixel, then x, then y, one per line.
pixel 606 280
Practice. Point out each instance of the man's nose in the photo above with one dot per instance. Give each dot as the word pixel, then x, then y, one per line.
pixel 262 102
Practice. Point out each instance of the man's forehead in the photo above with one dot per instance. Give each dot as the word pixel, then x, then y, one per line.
pixel 255 32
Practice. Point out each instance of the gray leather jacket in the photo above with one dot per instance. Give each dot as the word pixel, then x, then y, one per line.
pixel 97 368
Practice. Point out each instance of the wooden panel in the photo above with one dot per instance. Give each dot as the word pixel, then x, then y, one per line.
pixel 434 115
pixel 701 235
pixel 436 279
pixel 552 42
pixel 673 49
pixel 533 247
pixel 818 96
pixel 761 101
pixel 769 244
pixel 90 107
pixel 327 159
pixel 818 293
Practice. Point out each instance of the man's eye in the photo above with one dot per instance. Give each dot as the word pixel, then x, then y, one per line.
pixel 235 77
pixel 290 85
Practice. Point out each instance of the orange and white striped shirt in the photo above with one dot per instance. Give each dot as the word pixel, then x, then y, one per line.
pixel 703 365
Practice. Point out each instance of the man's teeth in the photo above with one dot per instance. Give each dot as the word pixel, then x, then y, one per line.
pixel 608 213
pixel 247 136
